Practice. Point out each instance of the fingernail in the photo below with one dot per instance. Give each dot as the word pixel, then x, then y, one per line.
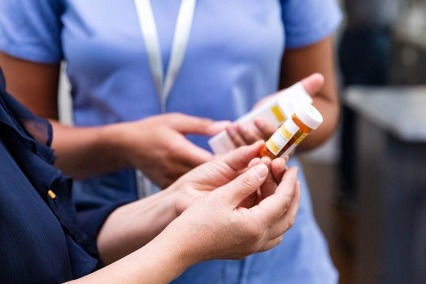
pixel 296 170
pixel 259 123
pixel 286 158
pixel 261 170
pixel 266 160
pixel 231 132
pixel 241 128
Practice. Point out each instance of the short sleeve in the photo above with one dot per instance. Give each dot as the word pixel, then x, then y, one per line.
pixel 31 29
pixel 309 21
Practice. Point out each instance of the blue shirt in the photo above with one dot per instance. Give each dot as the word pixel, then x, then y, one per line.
pixel 232 60
pixel 40 242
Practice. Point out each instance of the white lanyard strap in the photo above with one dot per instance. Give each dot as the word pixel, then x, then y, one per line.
pixel 148 28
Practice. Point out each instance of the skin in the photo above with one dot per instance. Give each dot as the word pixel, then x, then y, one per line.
pixel 85 152
pixel 298 64
pixel 207 219
pixel 313 65
pixel 88 151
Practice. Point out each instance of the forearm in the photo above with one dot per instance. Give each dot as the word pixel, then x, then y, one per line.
pixel 330 112
pixel 301 62
pixel 81 152
pixel 215 226
pixel 87 151
pixel 132 226
pixel 160 261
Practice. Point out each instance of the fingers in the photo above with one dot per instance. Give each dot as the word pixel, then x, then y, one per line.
pixel 240 157
pixel 217 127
pixel 236 138
pixel 283 224
pixel 277 204
pixel 289 217
pixel 254 162
pixel 266 129
pixel 191 155
pixel 187 124
pixel 278 166
pixel 313 83
pixel 240 188
pixel 271 244
pixel 269 185
pixel 246 134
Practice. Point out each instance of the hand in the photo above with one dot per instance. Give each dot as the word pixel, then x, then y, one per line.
pixel 216 227
pixel 261 129
pixel 158 147
pixel 221 171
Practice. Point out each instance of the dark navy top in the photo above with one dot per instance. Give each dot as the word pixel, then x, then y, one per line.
pixel 40 242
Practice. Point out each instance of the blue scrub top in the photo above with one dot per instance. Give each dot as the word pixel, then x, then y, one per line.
pixel 232 60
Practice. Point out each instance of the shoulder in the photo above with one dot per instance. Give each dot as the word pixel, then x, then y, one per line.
pixel 31 29
pixel 308 21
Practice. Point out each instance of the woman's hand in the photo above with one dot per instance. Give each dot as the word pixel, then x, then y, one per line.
pixel 158 146
pixel 217 227
pixel 260 129
pixel 224 169
pixel 131 226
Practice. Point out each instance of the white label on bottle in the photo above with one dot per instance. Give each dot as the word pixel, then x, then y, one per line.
pixel 297 142
pixel 281 137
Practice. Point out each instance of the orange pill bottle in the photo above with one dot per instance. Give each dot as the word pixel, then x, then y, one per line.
pixel 305 118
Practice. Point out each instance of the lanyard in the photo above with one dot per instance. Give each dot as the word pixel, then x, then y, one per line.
pixel 164 83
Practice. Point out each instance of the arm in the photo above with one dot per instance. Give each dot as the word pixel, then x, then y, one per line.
pixel 87 151
pixel 214 227
pixel 313 66
pixel 301 62
pixel 130 227
pixel 261 129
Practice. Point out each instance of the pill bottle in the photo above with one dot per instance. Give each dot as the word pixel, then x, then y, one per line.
pixel 276 111
pixel 305 118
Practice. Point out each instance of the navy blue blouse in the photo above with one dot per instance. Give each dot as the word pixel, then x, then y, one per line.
pixel 40 242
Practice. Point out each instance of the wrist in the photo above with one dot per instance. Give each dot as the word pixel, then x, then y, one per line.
pixel 182 244
pixel 183 195
pixel 116 144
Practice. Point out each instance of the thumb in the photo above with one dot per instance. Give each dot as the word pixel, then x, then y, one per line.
pixel 240 188
pixel 313 83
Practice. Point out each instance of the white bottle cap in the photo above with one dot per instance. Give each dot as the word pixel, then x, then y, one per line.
pixel 309 115
pixel 289 98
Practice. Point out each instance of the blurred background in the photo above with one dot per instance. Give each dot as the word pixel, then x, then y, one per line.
pixel 368 182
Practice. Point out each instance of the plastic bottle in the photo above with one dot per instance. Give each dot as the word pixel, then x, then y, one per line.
pixel 276 111
pixel 305 118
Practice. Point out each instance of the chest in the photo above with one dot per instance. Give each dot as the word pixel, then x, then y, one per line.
pixel 240 29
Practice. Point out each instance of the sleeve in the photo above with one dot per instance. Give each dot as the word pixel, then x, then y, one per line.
pixel 91 221
pixel 31 29
pixel 309 21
